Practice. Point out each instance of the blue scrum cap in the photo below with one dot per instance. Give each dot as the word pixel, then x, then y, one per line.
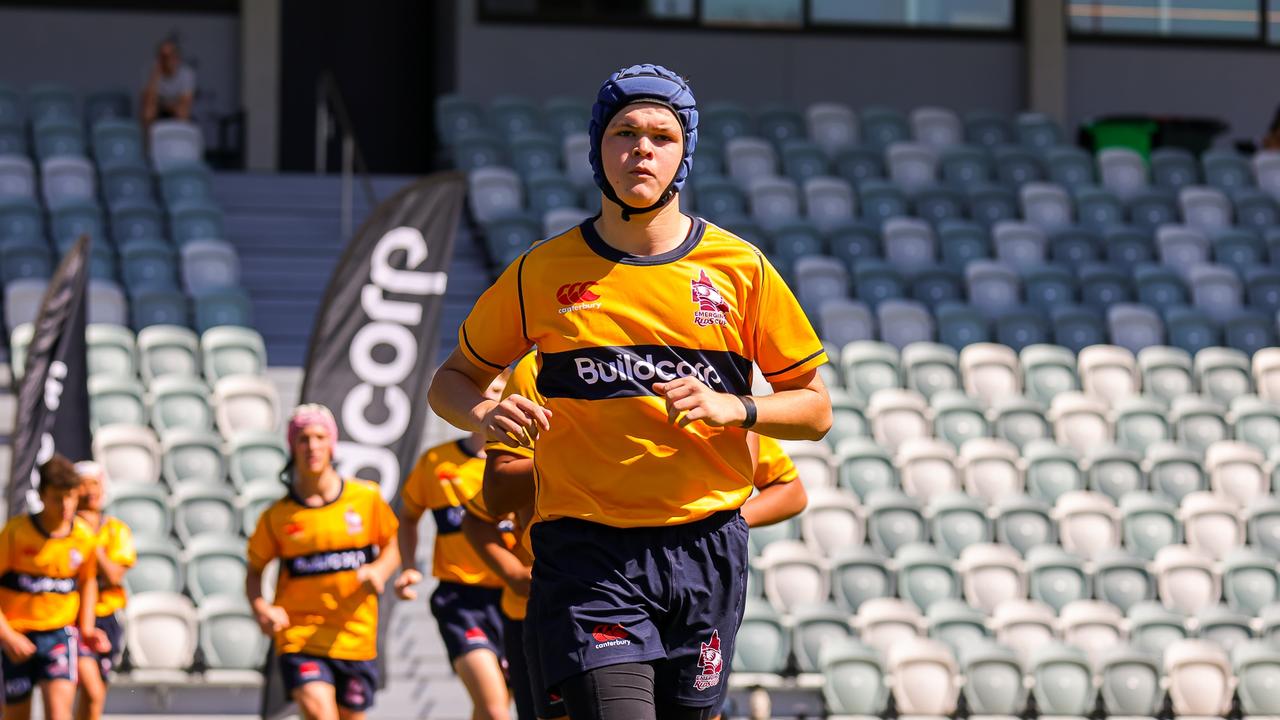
pixel 644 83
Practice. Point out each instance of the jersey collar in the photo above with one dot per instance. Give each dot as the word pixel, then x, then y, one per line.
pixel 612 254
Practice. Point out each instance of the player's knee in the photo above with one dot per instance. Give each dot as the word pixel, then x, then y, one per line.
pixel 494 710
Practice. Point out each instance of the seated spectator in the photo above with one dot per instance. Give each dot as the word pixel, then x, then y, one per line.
pixel 171 87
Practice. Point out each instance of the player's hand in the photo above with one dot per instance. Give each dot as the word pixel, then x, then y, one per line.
pixel 692 397
pixel 404 584
pixel 97 641
pixel 272 619
pixel 18 647
pixel 516 421
pixel 370 576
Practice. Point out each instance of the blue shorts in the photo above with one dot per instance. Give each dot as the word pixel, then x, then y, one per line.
pixel 523 677
pixel 353 681
pixel 55 659
pixel 603 596
pixel 469 617
pixel 110 625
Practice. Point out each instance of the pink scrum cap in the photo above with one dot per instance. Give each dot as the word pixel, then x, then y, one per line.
pixel 312 414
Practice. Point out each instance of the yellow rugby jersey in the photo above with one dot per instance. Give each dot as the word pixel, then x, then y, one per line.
pixel 774 465
pixel 116 540
pixel 39 573
pixel 443 480
pixel 607 326
pixel 513 604
pixel 331 613
pixel 523 382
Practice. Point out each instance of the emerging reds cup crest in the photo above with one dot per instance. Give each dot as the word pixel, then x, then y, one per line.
pixel 712 307
pixel 711 662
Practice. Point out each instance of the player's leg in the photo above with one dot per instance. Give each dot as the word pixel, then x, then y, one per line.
pixel 316 701
pixel 518 668
pixel 58 697
pixel 18 683
pixel 309 681
pixel 354 682
pixel 93 691
pixel 18 709
pixel 613 692
pixel 481 673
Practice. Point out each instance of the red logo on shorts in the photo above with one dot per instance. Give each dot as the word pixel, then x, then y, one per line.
pixel 574 293
pixel 309 670
pixel 475 635
pixel 605 633
pixel 711 662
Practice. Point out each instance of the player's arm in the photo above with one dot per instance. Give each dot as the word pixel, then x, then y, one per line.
pixel 262 550
pixel 15 645
pixel 377 573
pixel 799 408
pixel 487 540
pixel 775 503
pixel 508 482
pixel 457 395
pixel 115 561
pixel 96 639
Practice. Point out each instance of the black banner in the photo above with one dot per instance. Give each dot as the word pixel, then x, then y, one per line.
pixel 53 395
pixel 374 343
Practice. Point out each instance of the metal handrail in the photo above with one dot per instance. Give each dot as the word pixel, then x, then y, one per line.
pixel 331 111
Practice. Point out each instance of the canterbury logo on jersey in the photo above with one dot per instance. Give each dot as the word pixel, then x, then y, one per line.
pixel 331 561
pixel 573 293
pixel 37 584
pixel 602 373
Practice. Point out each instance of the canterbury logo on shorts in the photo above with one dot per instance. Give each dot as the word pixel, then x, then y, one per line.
pixel 323 563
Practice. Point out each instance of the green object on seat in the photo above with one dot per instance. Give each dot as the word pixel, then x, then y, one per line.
pixel 1135 134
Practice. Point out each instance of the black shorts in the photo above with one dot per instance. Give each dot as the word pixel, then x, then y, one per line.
pixel 353 681
pixel 603 596
pixel 524 678
pixel 110 625
pixel 469 617
pixel 55 659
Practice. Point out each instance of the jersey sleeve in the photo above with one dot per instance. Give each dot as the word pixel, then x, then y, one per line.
pixel 122 550
pixel 774 466
pixel 6 547
pixel 383 522
pixel 784 344
pixel 496 332
pixel 263 547
pixel 418 493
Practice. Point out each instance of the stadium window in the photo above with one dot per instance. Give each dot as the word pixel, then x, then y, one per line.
pixel 1273 23
pixel 755 13
pixel 1241 20
pixel 588 11
pixel 934 14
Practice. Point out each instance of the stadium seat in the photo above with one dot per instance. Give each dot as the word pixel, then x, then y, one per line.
pixel 493 192
pixel 254 497
pixel 1186 579
pixel 893 520
pixel 987 129
pixel 1062 680
pixel 912 166
pixel 793 575
pixel 1103 285
pixel 813 463
pixel 1197 422
pixel 1021 327
pixel 1223 627
pixel 884 622
pixel 192 457
pixel 127 185
pixel 897 415
pixel 829 202
pixel 869 367
pixel 1069 166
pixel 1022 522
pixel 1134 327
pixel 1093 626
pixel 956 521
pixel 1205 209
pixel 105 303
pixel 1250 580
pixel 1199 678
pixel 17 177
pixel 117 142
pixel 859 573
pixel 1222 374
pixel 831 125
pixel 957 624
pixel 961 166
pixel 1113 471
pixel 882 126
pixel 1127 246
pixel 111 350
pixel 1262 288
pixel 853 242
pixel 936 127
pixel 67 179
pixel 819 279
pixel 1080 421
pixel 863 466
pixel 535 153
pixel 773 200
pixel 908 242
pixel 1047 371
pixel 209 265
pixel 1249 330
pixel 904 322
pixel 812 629
pixel 879 200
pixel 990 468
pixel 201 508
pixel 1257 669
pixel 1019 244
pixel 1077 327
pixel 957 418
pixel 1173 168
pixel 21 218
pixel 994 684
pixel 1037 131
pixel 855 679
pixel 168 350
pixel 787 530
pixel 1019 420
pixel 221 306
pixel 1139 422
pixel 1130 681
pixel 162 637
pixel 1165 372
pixel 1073 246
pixel 749 159
pixel 575 150
pixel 843 321
pixel 159 567
pixel 1226 170
pixel 1017 166
pixel 1150 208
pixel 1088 523
pixel 215 565
pixel 72 218
pixel 1255 209
pixel 13 138
pixel 115 400
pixel 1254 421
pixel 476 149
pixel 507 238
pixel 230 350
pixel 1239 249
pixel 196 220
pixel 1153 627
pixel 58 138
pixel 1121 579
pixel 144 508
pixel 25 259
pixel 1210 523
pixel 1123 171
pixel 925 678
pixel 158 305
pixel 1108 372
pixel 1023 625
pixel 936 285
pixel 1263 523
pixel 130 453
pixel 993 287
pixel 1266 373
pixel 1056 577
pixel 802 160
pixel 230 641
pixel 831 521
pixel 1098 208
pixel 1174 470
pixel 959 325
pixel 930 368
pixel 992 574
pixel 856 164
pixel 245 403
pixel 135 221
pixel 1191 329
pixel 1266 170
pixel 989 204
pixel 1235 471
pixel 51 102
pixel 1046 205
pixel 174 143
pixel 725 121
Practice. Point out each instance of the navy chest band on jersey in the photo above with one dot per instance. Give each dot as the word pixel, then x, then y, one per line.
pixel 330 561
pixel 604 373
pixel 448 519
pixel 37 584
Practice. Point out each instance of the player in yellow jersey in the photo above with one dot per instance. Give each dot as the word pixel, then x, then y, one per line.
pixel 335 538
pixel 115 555
pixel 465 603
pixel 647 323
pixel 48 592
